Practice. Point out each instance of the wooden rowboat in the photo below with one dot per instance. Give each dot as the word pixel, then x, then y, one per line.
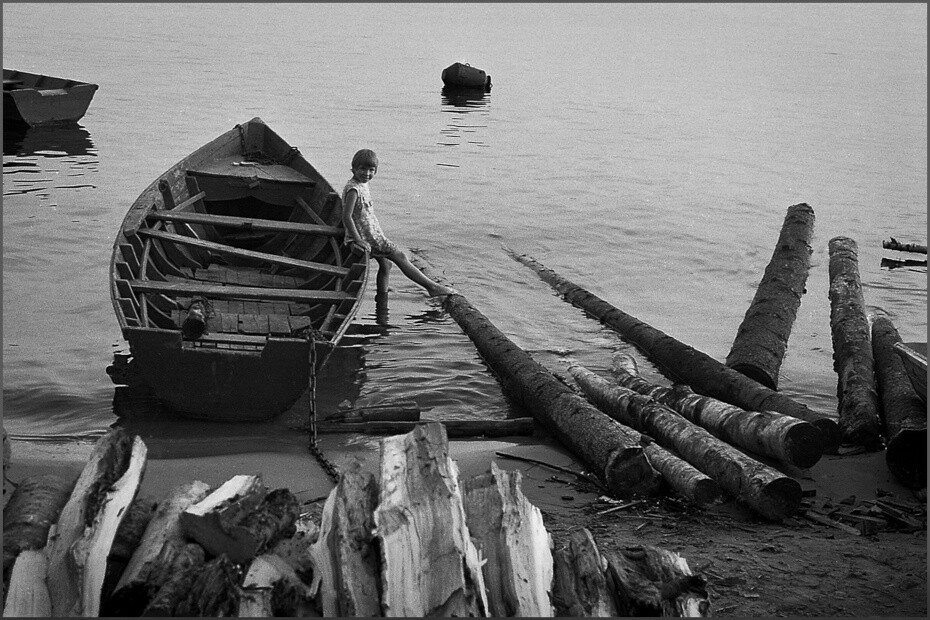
pixel 36 100
pixel 230 280
pixel 915 365
pixel 458 75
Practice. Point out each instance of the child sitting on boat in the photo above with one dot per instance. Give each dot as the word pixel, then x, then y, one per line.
pixel 363 229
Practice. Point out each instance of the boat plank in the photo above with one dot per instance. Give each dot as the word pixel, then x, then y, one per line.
pixel 247 223
pixel 233 292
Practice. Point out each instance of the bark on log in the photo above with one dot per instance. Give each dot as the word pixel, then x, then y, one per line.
pixel 27 596
pixel 31 510
pixel 509 533
pixel 271 588
pixel 296 550
pixel 684 478
pixel 762 337
pixel 894 244
pixel 80 541
pixel 609 449
pixel 186 563
pixel 682 363
pixel 214 592
pixel 155 558
pixel 454 428
pixel 904 414
pixel 429 565
pixel 768 433
pixel 128 536
pixel 649 581
pixel 765 490
pixel 852 350
pixel 345 559
pixel 580 586
pixel 262 528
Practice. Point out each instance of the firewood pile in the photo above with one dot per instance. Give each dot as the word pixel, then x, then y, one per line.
pixel 409 540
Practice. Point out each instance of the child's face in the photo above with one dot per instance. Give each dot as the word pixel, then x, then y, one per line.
pixel 364 173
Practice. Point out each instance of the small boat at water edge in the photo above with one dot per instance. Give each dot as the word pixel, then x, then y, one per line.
pixel 914 358
pixel 230 280
pixel 36 100
pixel 458 75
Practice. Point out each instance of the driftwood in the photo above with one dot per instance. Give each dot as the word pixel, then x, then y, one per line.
pixel 682 363
pixel 214 591
pixel 762 337
pixel 509 533
pixel 155 558
pixel 904 414
pixel 852 351
pixel 387 412
pixel 429 564
pixel 767 433
pixel 186 563
pixel 649 581
pixel 894 244
pixel 764 489
pixel 608 448
pixel 128 536
pixel 31 510
pixel 893 263
pixel 272 588
pixel 80 542
pixel 27 595
pixel 580 587
pixel 454 428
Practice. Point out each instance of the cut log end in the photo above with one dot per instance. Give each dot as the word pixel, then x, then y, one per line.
pixel 759 375
pixel 780 499
pixel 906 457
pixel 804 445
pixel 832 435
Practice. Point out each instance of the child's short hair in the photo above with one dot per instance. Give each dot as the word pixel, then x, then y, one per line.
pixel 365 157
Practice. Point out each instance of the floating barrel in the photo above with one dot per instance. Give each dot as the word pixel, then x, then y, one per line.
pixel 458 75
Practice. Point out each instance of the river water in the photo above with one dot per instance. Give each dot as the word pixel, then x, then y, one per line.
pixel 646 152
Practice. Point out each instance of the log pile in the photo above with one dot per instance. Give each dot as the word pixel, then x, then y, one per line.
pixel 410 539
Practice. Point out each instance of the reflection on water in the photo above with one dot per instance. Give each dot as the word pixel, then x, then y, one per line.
pixel 467 107
pixel 38 160
pixel 465 97
pixel 47 141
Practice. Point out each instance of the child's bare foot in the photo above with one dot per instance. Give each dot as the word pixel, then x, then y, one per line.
pixel 441 291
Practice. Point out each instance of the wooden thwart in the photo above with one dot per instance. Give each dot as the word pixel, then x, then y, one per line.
pixel 246 223
pixel 181 289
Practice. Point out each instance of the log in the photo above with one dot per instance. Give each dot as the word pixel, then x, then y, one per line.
pixel 214 592
pixel 510 535
pixel 271 588
pixel 894 244
pixel 33 507
pixel 274 520
pixel 185 565
pixel 27 595
pixel 762 338
pixel 212 521
pixel 893 263
pixel 454 428
pixel 580 587
pixel 649 581
pixel 687 480
pixel 387 412
pixel 345 559
pixel 608 448
pixel 296 550
pixel 155 558
pixel 768 433
pixel 684 364
pixel 852 351
pixel 429 565
pixel 80 541
pixel 128 536
pixel 764 489
pixel 904 413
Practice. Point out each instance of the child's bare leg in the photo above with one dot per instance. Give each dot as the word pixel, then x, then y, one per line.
pixel 384 274
pixel 410 270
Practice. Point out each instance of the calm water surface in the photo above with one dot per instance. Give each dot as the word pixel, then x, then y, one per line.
pixel 647 152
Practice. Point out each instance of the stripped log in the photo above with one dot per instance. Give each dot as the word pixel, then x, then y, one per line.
pixel 429 565
pixel 894 244
pixel 271 588
pixel 80 542
pixel 580 586
pixel 608 448
pixel 128 536
pixel 27 595
pixel 764 489
pixel 852 350
pixel 155 558
pixel 684 364
pixel 345 560
pixel 687 480
pixel 454 427
pixel 509 533
pixel 31 510
pixel 650 581
pixel 903 412
pixel 762 338
pixel 768 433
pixel 185 565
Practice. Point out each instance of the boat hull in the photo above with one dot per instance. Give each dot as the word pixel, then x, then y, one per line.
pixel 34 100
pixel 915 365
pixel 463 76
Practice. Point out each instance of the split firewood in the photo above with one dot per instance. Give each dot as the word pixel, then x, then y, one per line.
pixel 764 489
pixel 80 542
pixel 27 595
pixel 650 581
pixel 214 592
pixel 296 550
pixel 186 564
pixel 346 567
pixel 580 587
pixel 852 350
pixel 154 559
pixel 429 565
pixel 29 514
pixel 762 338
pixel 271 588
pixel 768 433
pixel 509 533
pixel 128 536
pixel 894 244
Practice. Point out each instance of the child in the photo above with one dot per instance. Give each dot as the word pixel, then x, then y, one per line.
pixel 362 228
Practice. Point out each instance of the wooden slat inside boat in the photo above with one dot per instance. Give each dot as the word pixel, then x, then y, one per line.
pixel 229 273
